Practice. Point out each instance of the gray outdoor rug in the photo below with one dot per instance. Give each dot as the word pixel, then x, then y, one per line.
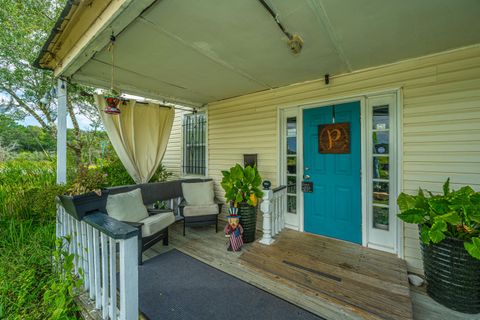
pixel 174 285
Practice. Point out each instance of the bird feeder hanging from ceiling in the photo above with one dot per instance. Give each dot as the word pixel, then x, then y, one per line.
pixel 112 98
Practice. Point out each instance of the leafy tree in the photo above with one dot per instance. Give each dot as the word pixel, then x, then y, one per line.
pixel 27 90
pixel 21 138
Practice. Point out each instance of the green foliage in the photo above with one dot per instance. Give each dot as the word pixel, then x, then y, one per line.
pixel 31 286
pixel 161 174
pixel 117 175
pixel 25 138
pixel 27 236
pixel 241 183
pixel 28 190
pixel 454 214
pixel 25 249
pixel 63 286
pixel 87 180
pixel 28 91
pixel 473 248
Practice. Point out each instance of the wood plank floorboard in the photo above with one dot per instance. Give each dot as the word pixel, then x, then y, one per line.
pixel 333 279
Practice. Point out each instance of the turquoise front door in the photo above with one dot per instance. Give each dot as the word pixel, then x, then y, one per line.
pixel 334 207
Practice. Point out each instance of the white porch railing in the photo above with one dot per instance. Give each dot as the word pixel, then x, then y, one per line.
pixel 273 207
pixel 95 242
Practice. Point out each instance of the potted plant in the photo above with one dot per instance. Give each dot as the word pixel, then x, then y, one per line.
pixel 449 227
pixel 85 194
pixel 242 189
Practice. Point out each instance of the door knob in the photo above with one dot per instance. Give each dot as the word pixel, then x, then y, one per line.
pixel 306 176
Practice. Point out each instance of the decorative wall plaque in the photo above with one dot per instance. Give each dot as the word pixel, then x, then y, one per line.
pixel 307 186
pixel 334 138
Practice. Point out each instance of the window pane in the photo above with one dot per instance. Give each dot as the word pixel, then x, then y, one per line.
pixel 380 192
pixel 292 204
pixel 194 144
pixel 380 142
pixel 380 167
pixel 380 218
pixel 380 118
pixel 291 135
pixel 292 184
pixel 291 145
pixel 292 165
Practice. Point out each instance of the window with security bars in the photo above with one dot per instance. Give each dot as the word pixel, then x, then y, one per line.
pixel 194 143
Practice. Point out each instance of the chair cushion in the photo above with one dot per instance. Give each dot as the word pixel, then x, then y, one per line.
pixel 156 222
pixel 204 210
pixel 198 193
pixel 127 206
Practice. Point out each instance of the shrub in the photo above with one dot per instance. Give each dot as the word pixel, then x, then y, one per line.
pixel 242 185
pixel 455 214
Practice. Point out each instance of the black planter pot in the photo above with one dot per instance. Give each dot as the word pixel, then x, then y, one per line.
pixel 452 275
pixel 248 220
pixel 80 205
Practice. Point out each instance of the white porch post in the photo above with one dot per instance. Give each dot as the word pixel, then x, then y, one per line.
pixel 266 208
pixel 62 132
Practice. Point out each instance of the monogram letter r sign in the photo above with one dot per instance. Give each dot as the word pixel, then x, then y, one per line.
pixel 334 138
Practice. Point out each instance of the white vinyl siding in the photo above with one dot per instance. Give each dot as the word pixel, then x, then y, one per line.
pixel 441 123
pixel 172 160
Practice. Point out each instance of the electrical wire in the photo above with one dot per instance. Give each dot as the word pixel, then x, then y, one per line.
pixel 277 20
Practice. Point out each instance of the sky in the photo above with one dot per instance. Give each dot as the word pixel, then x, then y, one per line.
pixel 83 122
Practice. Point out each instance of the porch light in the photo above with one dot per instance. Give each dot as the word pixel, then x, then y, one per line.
pixel 113 97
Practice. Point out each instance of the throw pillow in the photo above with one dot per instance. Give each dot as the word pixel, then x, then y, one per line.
pixel 198 193
pixel 127 206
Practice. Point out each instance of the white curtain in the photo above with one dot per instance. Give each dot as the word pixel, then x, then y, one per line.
pixel 139 135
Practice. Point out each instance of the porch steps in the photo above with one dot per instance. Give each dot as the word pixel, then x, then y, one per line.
pixel 359 282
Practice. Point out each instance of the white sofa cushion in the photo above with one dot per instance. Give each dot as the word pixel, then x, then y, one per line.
pixel 127 206
pixel 204 210
pixel 198 193
pixel 156 222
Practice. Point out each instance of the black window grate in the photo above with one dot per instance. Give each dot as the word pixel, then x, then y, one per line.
pixel 194 143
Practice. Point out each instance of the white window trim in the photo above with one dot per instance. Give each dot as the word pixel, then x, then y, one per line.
pixel 399 247
pixel 182 148
pixel 374 235
pixel 283 114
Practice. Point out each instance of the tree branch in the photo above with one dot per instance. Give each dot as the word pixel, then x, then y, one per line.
pixel 28 109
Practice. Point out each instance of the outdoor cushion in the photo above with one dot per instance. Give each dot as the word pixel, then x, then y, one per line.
pixel 127 206
pixel 198 193
pixel 156 222
pixel 203 210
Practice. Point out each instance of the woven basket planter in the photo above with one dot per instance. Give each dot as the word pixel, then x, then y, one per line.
pixel 452 275
pixel 248 220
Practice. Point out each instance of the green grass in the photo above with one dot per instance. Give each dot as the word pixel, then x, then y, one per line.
pixel 25 268
pixel 29 287
pixel 27 239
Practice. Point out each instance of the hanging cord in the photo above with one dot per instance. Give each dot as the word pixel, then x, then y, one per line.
pixel 295 42
pixel 111 48
pixel 277 20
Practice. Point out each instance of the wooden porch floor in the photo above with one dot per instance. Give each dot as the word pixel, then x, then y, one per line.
pixel 333 279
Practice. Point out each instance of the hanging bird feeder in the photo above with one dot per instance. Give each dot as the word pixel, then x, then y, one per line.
pixel 113 97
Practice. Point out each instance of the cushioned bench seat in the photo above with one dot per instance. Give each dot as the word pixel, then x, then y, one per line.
pixel 156 223
pixel 201 210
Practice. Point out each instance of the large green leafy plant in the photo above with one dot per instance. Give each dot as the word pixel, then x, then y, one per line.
pixel 454 214
pixel 242 185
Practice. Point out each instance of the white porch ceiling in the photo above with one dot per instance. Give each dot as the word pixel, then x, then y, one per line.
pixel 202 51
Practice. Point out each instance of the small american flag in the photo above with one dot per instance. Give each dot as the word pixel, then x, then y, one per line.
pixel 236 240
